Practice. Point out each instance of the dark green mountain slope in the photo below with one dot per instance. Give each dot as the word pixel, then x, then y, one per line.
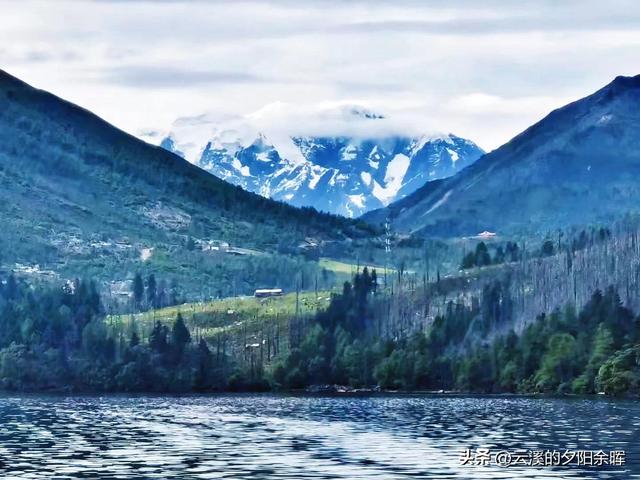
pixel 79 196
pixel 578 165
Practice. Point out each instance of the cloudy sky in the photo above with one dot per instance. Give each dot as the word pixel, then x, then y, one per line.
pixel 481 69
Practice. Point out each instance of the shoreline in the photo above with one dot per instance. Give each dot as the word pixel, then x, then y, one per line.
pixel 316 394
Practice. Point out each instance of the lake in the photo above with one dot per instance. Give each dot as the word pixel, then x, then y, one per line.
pixel 300 437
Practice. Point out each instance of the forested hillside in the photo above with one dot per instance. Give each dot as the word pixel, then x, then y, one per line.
pixel 594 350
pixel 555 317
pixel 550 312
pixel 559 319
pixel 80 197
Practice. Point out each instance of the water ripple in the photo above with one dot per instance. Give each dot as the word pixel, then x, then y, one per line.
pixel 296 437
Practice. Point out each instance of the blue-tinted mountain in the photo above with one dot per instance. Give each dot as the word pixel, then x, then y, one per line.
pixel 81 197
pixel 579 165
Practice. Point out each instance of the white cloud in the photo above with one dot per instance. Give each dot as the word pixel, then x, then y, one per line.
pixel 482 71
pixel 280 121
pixel 353 118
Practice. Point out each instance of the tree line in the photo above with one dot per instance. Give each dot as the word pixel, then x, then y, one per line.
pixel 55 338
pixel 512 252
pixel 471 348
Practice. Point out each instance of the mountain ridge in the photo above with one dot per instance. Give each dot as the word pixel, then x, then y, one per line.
pixel 11 85
pixel 80 197
pixel 572 167
pixel 365 169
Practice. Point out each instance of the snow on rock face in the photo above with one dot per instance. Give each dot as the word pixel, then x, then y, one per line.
pixel 243 169
pixel 349 153
pixel 357 200
pixel 263 157
pixel 439 203
pixel 345 175
pixel 396 170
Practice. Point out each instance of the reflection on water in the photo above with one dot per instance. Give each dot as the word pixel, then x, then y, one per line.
pixel 267 436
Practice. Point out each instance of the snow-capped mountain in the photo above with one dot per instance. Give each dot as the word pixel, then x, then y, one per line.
pixel 349 174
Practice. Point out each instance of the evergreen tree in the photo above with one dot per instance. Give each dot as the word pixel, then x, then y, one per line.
pixel 205 365
pixel 468 261
pixel 374 280
pixel 482 255
pixel 158 338
pixel 180 336
pixel 512 252
pixel 138 290
pixel 547 248
pixel 134 341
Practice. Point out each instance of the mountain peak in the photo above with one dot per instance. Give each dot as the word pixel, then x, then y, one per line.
pixel 576 166
pixel 352 174
pixel 622 84
pixel 6 79
pixel 4 75
pixel 627 82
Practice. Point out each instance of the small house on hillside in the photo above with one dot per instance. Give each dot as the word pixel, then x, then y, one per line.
pixel 214 245
pixel 268 292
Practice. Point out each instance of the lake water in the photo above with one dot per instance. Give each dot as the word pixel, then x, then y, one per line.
pixel 269 436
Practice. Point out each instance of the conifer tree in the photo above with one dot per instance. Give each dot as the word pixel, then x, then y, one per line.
pixel 138 290
pixel 180 336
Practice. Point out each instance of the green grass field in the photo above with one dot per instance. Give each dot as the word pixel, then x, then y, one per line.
pixel 226 315
pixel 349 268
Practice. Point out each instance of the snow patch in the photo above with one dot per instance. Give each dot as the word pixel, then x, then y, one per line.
pixel 366 178
pixel 396 170
pixel 453 154
pixel 604 119
pixel 357 200
pixel 419 143
pixel 316 175
pixel 294 183
pixel 263 157
pixel 439 203
pixel 341 178
pixel 287 149
pixel 243 169
pixel 350 152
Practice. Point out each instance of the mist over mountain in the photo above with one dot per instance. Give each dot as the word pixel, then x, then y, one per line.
pixel 342 159
pixel 578 165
